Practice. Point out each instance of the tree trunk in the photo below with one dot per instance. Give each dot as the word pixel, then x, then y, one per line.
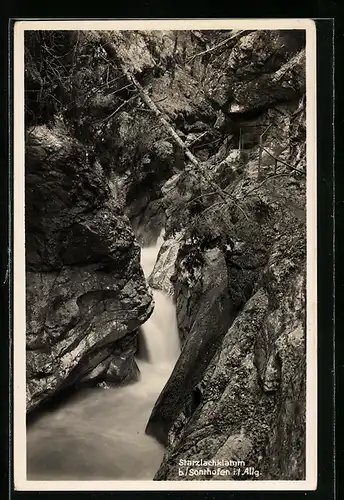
pixel 111 51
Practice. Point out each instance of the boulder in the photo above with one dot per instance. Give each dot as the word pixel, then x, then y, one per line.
pixel 165 265
pixel 286 84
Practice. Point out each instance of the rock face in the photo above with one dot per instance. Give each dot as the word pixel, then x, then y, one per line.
pixel 85 286
pixel 165 266
pixel 264 68
pixel 249 402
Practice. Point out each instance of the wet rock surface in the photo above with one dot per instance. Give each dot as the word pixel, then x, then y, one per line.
pixel 205 328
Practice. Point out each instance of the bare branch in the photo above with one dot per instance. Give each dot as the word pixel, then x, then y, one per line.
pixel 224 42
pixel 264 181
pixel 120 107
pixel 194 199
pixel 212 206
pixel 208 143
pixel 281 161
pixel 198 138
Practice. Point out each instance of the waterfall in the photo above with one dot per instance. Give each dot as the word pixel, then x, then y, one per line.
pixel 160 331
pixel 100 434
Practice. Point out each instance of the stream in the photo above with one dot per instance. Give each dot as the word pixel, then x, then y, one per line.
pixel 99 434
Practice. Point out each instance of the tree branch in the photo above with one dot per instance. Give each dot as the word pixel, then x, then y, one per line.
pixel 111 50
pixel 120 107
pixel 281 161
pixel 193 199
pixel 224 42
pixel 263 182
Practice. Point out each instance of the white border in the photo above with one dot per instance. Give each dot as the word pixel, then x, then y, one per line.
pixel 19 381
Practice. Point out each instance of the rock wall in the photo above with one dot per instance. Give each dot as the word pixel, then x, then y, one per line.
pixel 248 403
pixel 238 389
pixel 85 287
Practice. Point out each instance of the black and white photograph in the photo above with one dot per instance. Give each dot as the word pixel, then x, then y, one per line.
pixel 165 255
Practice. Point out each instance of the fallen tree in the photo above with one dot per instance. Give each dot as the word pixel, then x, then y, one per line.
pixel 110 49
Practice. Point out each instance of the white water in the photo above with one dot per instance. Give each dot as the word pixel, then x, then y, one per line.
pixel 100 434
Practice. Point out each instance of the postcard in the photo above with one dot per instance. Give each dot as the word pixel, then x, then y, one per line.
pixel 165 250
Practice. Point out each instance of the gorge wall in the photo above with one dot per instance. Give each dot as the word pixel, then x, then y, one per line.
pixel 103 176
pixel 86 291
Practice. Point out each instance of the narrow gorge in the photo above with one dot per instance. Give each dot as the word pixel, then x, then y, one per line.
pixel 165 184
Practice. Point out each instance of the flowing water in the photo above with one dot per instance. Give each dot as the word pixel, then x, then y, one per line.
pixel 100 433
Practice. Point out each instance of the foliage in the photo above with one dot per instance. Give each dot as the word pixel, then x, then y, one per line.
pixel 68 75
